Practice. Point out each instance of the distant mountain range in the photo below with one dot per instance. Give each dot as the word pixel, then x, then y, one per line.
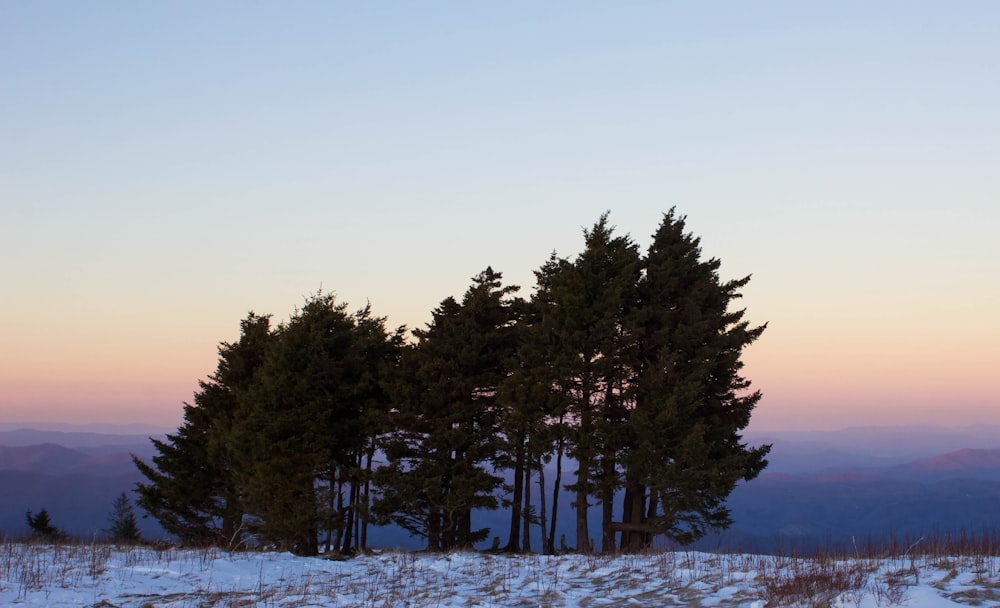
pixel 76 476
pixel 820 488
pixel 783 511
pixel 52 459
pixel 805 452
pixel 967 462
pixel 844 487
pixel 83 429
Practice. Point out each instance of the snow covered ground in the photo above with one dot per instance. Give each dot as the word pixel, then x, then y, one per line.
pixel 101 576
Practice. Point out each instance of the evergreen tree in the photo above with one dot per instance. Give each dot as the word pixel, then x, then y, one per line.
pixel 545 379
pixel 628 364
pixel 529 426
pixel 684 454
pixel 123 526
pixel 640 359
pixel 307 426
pixel 374 357
pixel 42 527
pixel 285 434
pixel 193 489
pixel 583 304
pixel 446 433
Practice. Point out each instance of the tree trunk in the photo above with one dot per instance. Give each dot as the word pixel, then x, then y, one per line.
pixel 633 514
pixel 358 482
pixel 339 513
pixel 542 515
pixel 434 529
pixel 515 507
pixel 583 454
pixel 368 486
pixel 526 542
pixel 232 522
pixel 609 473
pixel 465 538
pixel 345 546
pixel 330 507
pixel 647 537
pixel 607 505
pixel 551 550
pixel 308 544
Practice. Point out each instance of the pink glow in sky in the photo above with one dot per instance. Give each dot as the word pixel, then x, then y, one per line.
pixel 165 169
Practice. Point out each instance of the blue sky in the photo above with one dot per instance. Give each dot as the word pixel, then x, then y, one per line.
pixel 167 167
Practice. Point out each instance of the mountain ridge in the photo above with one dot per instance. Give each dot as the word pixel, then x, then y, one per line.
pixel 814 492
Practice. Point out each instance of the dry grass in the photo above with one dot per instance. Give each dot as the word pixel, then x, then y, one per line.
pixel 962 568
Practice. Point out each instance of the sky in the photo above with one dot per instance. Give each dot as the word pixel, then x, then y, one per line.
pixel 167 167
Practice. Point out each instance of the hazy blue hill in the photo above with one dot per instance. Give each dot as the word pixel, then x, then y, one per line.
pixel 890 438
pixel 75 475
pixel 74 439
pixel 96 428
pixel 821 488
pixel 961 464
pixel 46 458
pixel 53 459
pixel 78 504
pixel 785 511
pixel 803 452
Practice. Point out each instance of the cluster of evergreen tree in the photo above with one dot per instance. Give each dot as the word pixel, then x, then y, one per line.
pixel 626 365
pixel 123 525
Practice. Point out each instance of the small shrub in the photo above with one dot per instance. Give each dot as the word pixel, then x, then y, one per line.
pixel 813 580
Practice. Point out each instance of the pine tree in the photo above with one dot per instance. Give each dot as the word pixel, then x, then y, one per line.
pixel 640 359
pixel 192 487
pixel 583 304
pixel 684 454
pixel 544 378
pixel 42 527
pixel 123 526
pixel 373 357
pixel 528 422
pixel 285 435
pixel 307 425
pixel 447 424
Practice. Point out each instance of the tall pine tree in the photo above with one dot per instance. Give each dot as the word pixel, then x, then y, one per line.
pixel 302 423
pixel 373 358
pixel 193 487
pixel 583 304
pixel 446 441
pixel 685 453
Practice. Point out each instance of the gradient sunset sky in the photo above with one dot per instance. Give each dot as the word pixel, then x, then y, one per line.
pixel 165 167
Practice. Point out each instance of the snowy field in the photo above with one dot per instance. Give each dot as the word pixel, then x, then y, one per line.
pixel 101 576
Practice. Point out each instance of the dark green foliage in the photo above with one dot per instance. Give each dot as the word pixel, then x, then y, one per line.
pixel 628 364
pixel 582 307
pixel 643 357
pixel 280 441
pixel 376 353
pixel 446 426
pixel 123 526
pixel 193 488
pixel 42 527
pixel 300 424
pixel 685 454
pixel 309 424
pixel 524 405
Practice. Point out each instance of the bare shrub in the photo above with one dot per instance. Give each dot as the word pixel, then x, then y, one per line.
pixel 809 581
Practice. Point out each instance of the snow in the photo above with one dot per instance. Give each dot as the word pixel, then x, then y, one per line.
pixel 101 576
